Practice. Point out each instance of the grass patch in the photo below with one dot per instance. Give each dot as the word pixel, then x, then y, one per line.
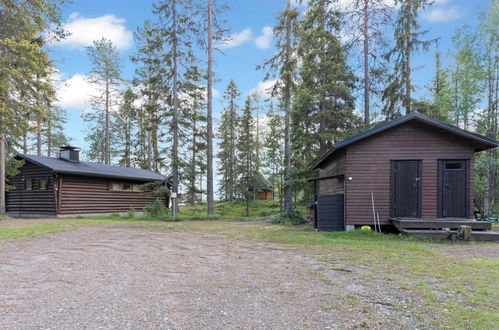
pixel 34 228
pixel 446 290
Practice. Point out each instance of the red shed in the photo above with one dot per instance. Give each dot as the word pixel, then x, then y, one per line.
pixel 415 167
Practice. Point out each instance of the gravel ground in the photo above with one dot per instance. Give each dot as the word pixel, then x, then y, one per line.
pixel 130 277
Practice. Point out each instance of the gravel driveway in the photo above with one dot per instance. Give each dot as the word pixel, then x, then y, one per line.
pixel 126 276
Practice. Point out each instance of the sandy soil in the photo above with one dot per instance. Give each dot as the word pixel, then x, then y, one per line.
pixel 130 277
pixel 122 276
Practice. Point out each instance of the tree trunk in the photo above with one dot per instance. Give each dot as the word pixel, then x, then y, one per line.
pixel 366 65
pixel 49 138
pixel 288 202
pixel 2 173
pixel 408 101
pixel 175 111
pixel 192 182
pixel 106 129
pixel 209 126
pixel 38 137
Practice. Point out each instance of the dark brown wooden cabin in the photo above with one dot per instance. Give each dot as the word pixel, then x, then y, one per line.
pixel 415 166
pixel 48 186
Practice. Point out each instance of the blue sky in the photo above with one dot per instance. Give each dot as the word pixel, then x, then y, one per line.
pixel 250 22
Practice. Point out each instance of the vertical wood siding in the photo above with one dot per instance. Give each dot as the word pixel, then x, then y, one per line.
pixel 87 195
pixel 368 163
pixel 20 201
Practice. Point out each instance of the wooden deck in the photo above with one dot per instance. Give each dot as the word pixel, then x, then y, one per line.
pixel 439 223
pixel 444 228
pixel 488 236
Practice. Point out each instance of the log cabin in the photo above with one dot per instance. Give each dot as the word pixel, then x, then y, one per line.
pixel 66 186
pixel 413 168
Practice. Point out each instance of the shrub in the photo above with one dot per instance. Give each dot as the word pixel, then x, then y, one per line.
pixel 131 212
pixel 293 219
pixel 156 210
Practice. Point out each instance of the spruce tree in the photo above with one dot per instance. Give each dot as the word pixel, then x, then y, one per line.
pixel 177 30
pixel 227 142
pixel 407 35
pixel 246 152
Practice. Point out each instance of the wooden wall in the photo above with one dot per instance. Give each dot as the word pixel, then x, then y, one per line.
pixel 368 163
pixel 80 194
pixel 20 201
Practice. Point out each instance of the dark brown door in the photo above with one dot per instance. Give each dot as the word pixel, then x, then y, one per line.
pixel 453 186
pixel 405 188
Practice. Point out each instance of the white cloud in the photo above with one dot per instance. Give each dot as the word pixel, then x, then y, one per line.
pixel 263 88
pixel 236 39
pixel 75 92
pixel 438 15
pixel 85 30
pixel 263 41
pixel 215 93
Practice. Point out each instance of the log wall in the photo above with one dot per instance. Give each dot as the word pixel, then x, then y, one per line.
pixel 80 195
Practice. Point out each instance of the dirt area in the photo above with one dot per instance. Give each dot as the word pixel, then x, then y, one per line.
pixel 128 276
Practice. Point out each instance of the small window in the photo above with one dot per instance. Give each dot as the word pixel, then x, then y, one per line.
pixel 452 166
pixel 117 187
pixel 136 187
pixel 127 187
pixel 42 184
pixel 28 184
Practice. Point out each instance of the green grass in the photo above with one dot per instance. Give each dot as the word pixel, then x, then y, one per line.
pixel 224 211
pixel 41 227
pixel 448 291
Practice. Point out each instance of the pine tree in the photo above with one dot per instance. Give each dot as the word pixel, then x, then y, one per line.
pixel 284 66
pixel 106 76
pixel 369 17
pixel 25 69
pixel 407 37
pixel 149 82
pixel 177 30
pixel 227 145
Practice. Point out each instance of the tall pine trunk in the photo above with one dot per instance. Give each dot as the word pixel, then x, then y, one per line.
pixel 288 202
pixel 106 129
pixel 407 73
pixel 38 137
pixel 192 183
pixel 209 126
pixel 175 111
pixel 366 65
pixel 2 173
pixel 49 138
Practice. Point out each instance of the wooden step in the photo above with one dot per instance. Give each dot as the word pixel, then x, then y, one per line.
pixel 439 224
pixel 488 236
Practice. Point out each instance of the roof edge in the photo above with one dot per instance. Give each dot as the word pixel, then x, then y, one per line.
pixel 491 143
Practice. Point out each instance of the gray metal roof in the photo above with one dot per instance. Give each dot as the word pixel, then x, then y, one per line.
pixel 92 169
pixel 484 140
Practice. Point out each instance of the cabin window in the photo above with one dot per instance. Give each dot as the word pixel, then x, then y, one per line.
pixel 126 187
pixel 42 184
pixel 453 166
pixel 28 184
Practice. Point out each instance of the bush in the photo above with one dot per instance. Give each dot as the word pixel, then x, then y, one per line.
pixel 131 212
pixel 293 219
pixel 156 209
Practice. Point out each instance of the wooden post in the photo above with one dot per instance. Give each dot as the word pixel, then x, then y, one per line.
pixel 464 233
